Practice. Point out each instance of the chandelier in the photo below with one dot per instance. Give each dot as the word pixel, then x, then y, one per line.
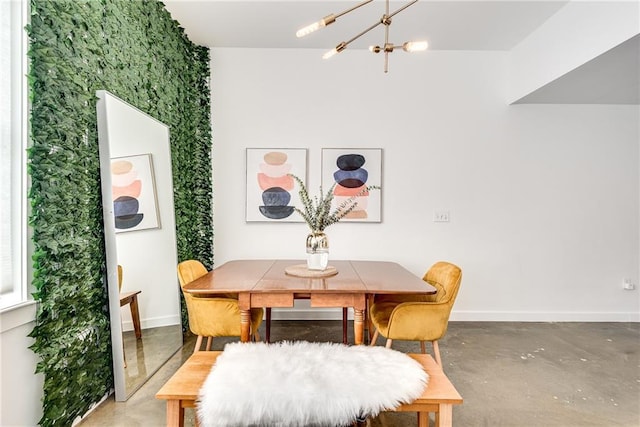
pixel 386 48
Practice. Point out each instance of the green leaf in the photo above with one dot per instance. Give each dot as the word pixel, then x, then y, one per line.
pixel 136 51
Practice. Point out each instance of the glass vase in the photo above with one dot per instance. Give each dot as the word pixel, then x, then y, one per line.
pixel 317 251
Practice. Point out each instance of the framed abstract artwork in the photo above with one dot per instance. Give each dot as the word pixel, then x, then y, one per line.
pixel 133 187
pixel 352 169
pixel 271 192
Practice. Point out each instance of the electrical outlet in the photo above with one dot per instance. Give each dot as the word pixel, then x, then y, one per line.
pixel 440 216
pixel 627 285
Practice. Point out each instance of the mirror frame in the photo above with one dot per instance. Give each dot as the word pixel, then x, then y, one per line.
pixel 108 103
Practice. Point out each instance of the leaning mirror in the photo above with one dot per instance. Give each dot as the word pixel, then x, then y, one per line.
pixel 140 241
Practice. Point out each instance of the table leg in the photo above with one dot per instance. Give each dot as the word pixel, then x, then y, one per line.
pixel 423 419
pixel 135 316
pixel 444 416
pixel 245 325
pixel 358 325
pixel 175 413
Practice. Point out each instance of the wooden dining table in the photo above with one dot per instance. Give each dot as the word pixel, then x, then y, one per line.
pixel 269 283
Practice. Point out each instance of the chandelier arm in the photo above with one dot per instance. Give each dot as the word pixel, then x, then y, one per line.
pixel 327 20
pixel 402 8
pixel 364 32
pixel 337 15
pixel 386 20
pixel 386 44
pixel 386 35
pixel 387 23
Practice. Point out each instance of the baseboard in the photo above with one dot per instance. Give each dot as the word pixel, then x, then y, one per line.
pixel 546 316
pixel 93 407
pixel 470 316
pixel 156 322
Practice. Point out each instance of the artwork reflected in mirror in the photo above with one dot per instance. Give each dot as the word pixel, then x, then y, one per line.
pixel 135 206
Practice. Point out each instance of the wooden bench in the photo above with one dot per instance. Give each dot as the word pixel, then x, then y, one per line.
pixel 181 391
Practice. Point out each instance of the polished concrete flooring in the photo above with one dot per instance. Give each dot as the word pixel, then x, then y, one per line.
pixel 509 374
pixel 144 356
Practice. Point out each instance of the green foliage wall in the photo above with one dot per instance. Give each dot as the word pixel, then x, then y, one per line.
pixel 137 52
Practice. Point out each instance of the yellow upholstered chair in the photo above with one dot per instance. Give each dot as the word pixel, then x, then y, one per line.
pixel 418 317
pixel 119 278
pixel 213 316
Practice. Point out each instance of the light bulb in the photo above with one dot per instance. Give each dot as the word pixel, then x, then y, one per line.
pixel 329 19
pixel 375 49
pixel 415 46
pixel 342 46
pixel 310 28
pixel 329 54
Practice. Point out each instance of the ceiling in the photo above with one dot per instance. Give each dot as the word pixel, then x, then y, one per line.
pixel 611 78
pixel 447 25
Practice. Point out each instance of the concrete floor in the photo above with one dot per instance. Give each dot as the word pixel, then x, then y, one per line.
pixel 509 374
pixel 146 355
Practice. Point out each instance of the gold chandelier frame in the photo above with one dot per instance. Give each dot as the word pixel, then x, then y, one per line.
pixel 386 48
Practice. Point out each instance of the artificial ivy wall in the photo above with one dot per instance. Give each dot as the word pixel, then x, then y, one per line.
pixel 137 52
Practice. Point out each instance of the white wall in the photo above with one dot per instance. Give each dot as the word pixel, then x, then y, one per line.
pixel 21 388
pixel 544 200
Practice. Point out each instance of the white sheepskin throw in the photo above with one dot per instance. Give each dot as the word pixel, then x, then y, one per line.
pixel 295 384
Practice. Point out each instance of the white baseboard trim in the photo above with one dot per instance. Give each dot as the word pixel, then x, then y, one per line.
pixel 156 322
pixel 534 316
pixel 91 409
pixel 471 316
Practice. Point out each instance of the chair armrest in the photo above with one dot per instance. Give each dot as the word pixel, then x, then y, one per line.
pixel 213 316
pixel 419 321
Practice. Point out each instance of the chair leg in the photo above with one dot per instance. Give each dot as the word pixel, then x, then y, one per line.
pixel 374 338
pixel 360 423
pixel 423 348
pixel 344 324
pixel 135 316
pixel 267 333
pixel 198 344
pixel 256 336
pixel 436 351
pixel 209 342
pixel 389 341
pixel 367 317
pixel 124 355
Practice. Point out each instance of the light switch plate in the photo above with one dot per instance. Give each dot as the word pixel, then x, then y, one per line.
pixel 440 216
